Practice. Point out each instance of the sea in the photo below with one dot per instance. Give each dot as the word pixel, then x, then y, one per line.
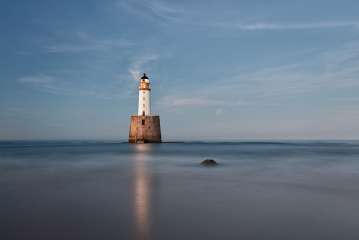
pixel 108 190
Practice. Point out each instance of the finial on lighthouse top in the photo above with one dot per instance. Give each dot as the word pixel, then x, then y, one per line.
pixel 144 76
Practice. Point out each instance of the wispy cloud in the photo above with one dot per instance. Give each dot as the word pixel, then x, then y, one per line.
pixel 331 70
pixel 200 101
pixel 290 26
pixel 184 101
pixel 141 64
pixel 48 83
pixel 153 10
pixel 41 79
pixel 171 13
pixel 218 111
pixel 63 86
pixel 85 42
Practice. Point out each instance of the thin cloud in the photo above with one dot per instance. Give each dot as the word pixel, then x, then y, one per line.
pixel 84 42
pixel 50 84
pixel 218 112
pixel 37 79
pixel 62 86
pixel 184 101
pixel 275 85
pixel 291 26
pixel 141 64
pixel 158 10
pixel 153 10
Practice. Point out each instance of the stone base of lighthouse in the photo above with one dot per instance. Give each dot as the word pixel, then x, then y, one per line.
pixel 145 129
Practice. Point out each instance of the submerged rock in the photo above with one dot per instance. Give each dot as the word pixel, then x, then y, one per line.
pixel 209 162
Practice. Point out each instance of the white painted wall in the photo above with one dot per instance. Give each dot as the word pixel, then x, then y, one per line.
pixel 144 102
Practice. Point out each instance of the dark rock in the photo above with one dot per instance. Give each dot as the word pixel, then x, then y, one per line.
pixel 209 162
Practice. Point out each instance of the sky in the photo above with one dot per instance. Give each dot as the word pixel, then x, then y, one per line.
pixel 220 70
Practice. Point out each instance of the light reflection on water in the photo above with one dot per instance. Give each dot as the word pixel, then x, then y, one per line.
pixel 142 191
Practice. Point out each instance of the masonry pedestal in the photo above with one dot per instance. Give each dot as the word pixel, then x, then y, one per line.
pixel 145 129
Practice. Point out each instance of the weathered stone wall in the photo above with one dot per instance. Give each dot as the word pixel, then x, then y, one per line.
pixel 145 129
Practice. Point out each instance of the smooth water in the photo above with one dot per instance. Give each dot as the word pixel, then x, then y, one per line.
pixel 103 190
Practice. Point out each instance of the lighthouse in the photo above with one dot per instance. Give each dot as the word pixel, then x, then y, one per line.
pixel 144 127
pixel 144 96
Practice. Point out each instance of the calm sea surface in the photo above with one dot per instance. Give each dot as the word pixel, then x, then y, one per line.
pixel 112 190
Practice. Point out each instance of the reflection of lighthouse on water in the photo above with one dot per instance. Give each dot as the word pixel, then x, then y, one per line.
pixel 142 192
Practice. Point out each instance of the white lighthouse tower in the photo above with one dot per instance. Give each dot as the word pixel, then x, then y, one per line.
pixel 144 127
pixel 144 96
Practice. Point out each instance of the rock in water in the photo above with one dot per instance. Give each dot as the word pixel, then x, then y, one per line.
pixel 209 162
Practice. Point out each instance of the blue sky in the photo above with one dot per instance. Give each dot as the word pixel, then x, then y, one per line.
pixel 220 70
